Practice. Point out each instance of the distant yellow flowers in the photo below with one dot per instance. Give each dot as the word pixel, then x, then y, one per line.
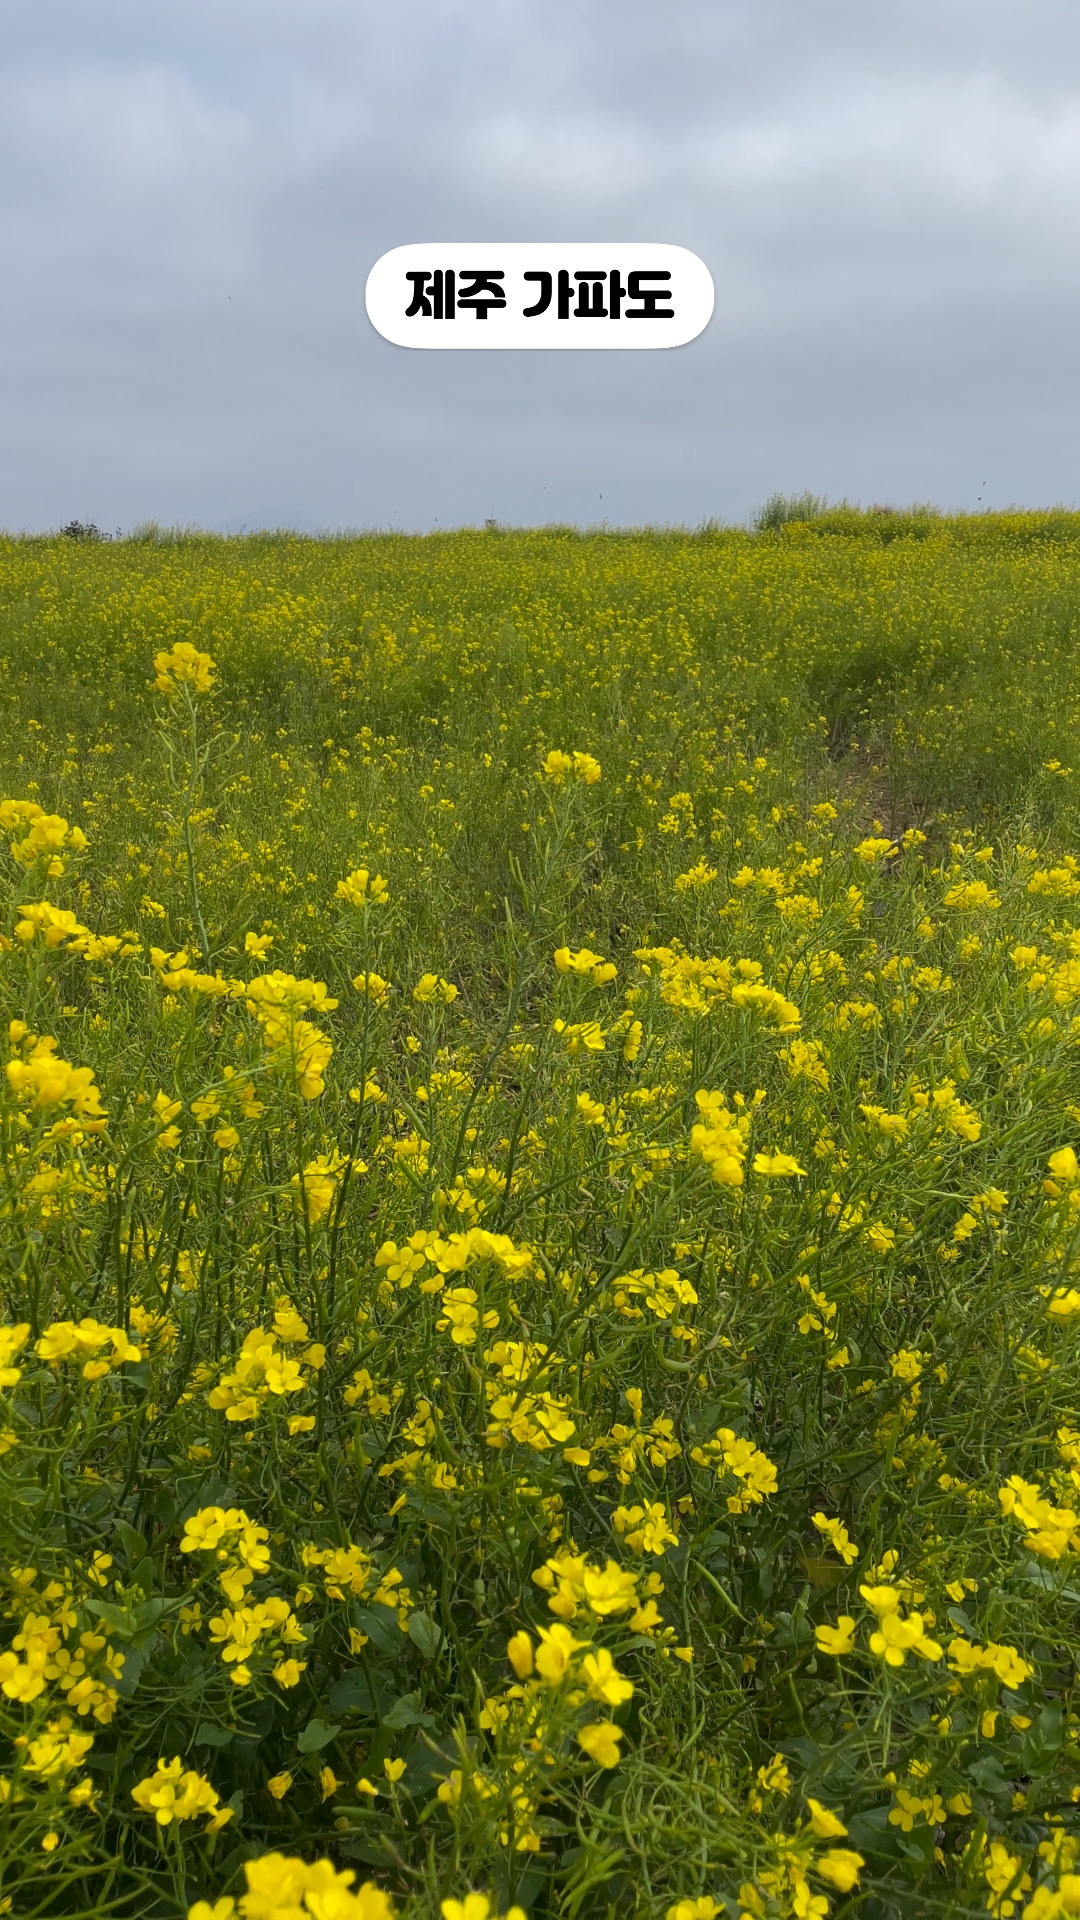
pixel 278 1000
pixel 720 1138
pixel 838 1537
pixel 84 1342
pixel 731 1455
pixel 12 1341
pixel 313 1192
pixel 262 1370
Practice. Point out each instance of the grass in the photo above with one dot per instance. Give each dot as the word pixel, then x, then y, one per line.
pixel 539 1223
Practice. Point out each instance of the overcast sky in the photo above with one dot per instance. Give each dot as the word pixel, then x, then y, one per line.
pixel 887 193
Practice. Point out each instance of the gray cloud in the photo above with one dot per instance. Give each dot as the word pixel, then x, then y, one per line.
pixel 190 198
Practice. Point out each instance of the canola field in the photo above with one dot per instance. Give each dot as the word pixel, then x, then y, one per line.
pixel 540 1224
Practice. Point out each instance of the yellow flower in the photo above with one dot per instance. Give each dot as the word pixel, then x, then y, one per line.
pixel 838 1537
pixel 287 1672
pixel 283 1887
pixel 600 1740
pixel 313 1198
pixel 1064 1166
pixel 328 1781
pixel 840 1867
pixel 586 965
pixel 373 987
pixel 171 1793
pixel 43 1080
pixel 896 1636
pixel 519 1652
pixel 836 1640
pixel 477 1906
pixel 279 1785
pixel 362 889
pixel 774 1777
pixel 826 1825
pixel 431 990
pixel 183 666
pixel 393 1770
pixel 560 767
pixel 583 1036
pixel 970 895
pixel 555 1653
pixel 777 1165
pixel 698 876
pixel 603 1679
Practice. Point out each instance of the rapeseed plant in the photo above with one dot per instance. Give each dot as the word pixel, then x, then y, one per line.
pixel 540 1213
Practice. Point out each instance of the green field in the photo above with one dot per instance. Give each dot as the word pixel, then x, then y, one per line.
pixel 540 1224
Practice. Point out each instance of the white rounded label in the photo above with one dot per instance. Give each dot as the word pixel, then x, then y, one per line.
pixel 454 294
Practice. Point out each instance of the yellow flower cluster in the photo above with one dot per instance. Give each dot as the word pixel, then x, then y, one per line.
pixel 67 1341
pixel 262 1371
pixel 720 1138
pixel 584 964
pixel 172 1792
pixel 729 1454
pixel 238 1631
pixel 279 1001
pixel 50 1650
pixel 282 1887
pixel 360 888
pixel 44 836
pixel 182 667
pixel 431 1257
pixel 560 767
pixel 236 1542
pixel 40 1079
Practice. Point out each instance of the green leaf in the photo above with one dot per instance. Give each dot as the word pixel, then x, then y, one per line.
pixel 424 1634
pixel 315 1736
pixel 210 1735
pixel 380 1625
pixel 133 1543
pixel 406 1712
pixel 354 1692
pixel 117 1619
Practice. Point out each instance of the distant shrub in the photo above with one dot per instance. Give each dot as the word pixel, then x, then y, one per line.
pixel 780 508
pixel 82 530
